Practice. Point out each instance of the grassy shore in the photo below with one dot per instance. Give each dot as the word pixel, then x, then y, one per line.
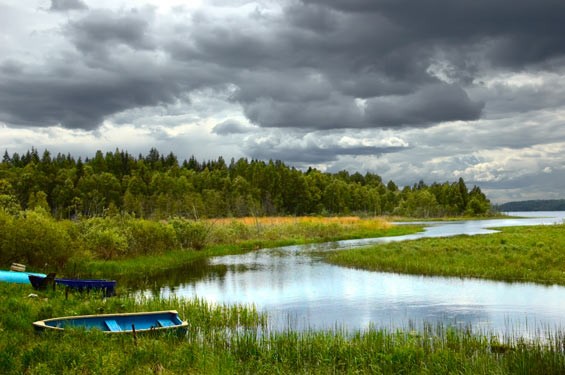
pixel 525 254
pixel 235 340
pixel 236 236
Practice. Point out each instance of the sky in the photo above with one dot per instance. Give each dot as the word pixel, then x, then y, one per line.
pixel 411 90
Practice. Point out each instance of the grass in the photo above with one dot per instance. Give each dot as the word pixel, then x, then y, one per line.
pixel 236 236
pixel 526 254
pixel 268 231
pixel 234 340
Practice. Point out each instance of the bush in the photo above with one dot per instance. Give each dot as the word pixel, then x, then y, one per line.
pixel 150 237
pixel 37 239
pixel 107 243
pixel 233 232
pixel 6 236
pixel 191 234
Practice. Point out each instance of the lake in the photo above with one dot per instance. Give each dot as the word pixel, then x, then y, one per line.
pixel 299 291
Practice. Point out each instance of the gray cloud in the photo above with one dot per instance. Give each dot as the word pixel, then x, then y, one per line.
pixel 102 30
pixel 432 105
pixel 304 156
pixel 230 127
pixel 65 5
pixel 333 113
pixel 514 35
pixel 304 148
pixel 535 185
pixel 428 89
pixel 306 67
pixel 82 97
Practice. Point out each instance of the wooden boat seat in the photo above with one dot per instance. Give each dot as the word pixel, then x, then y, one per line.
pixel 18 267
pixel 113 325
pixel 165 322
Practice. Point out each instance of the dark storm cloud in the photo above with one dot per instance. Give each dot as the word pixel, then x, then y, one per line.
pixel 315 154
pixel 104 30
pixel 517 33
pixel 83 97
pixel 114 69
pixel 317 64
pixel 333 113
pixel 65 5
pixel 433 104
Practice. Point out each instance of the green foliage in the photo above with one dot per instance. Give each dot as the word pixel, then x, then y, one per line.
pixel 6 236
pixel 38 200
pixel 157 187
pixel 233 232
pixel 191 234
pixel 150 237
pixel 35 239
pixel 107 243
pixel 9 204
pixel 8 201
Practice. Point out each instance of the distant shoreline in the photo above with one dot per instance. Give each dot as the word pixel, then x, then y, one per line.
pixel 532 205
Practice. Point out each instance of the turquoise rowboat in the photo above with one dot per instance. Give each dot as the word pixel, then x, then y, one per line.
pixel 154 321
pixel 18 277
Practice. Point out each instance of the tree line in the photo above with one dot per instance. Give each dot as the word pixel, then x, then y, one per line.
pixel 157 186
pixel 533 205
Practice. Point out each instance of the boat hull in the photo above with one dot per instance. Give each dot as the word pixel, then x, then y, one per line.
pixel 18 277
pixel 108 286
pixel 155 321
pixel 41 283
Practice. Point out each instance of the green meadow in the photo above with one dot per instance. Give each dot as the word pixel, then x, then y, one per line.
pixel 515 254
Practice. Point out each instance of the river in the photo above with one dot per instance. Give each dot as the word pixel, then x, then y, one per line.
pixel 299 291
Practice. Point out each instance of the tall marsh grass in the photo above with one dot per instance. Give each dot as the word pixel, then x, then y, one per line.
pixel 305 228
pixel 236 340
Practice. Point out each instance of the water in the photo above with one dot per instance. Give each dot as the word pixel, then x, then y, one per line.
pixel 300 291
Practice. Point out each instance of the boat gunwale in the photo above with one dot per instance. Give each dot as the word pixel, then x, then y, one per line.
pixel 42 324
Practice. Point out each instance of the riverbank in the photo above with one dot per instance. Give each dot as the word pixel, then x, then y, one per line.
pixel 516 254
pixel 237 236
pixel 235 339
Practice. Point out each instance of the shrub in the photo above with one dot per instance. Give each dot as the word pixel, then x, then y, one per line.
pixel 37 239
pixel 150 237
pixel 191 234
pixel 231 232
pixel 106 243
pixel 6 236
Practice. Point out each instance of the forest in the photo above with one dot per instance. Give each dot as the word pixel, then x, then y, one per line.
pixel 533 205
pixel 157 186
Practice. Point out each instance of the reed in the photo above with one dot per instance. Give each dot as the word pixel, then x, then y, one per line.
pixel 297 229
pixel 236 339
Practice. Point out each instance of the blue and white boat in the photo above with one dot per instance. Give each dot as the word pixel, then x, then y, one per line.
pixel 154 321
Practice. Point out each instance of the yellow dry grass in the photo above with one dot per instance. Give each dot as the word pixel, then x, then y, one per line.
pixel 373 223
